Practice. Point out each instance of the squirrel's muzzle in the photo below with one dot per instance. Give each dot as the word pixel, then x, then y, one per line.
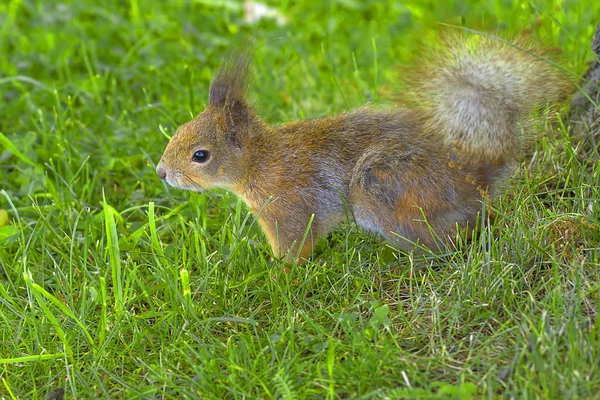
pixel 161 172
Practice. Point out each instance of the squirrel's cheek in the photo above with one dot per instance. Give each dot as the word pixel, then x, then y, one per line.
pixel 224 177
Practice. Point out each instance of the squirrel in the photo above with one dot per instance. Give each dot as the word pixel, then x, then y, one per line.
pixel 415 172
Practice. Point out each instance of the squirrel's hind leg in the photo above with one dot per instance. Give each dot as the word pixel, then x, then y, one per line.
pixel 412 198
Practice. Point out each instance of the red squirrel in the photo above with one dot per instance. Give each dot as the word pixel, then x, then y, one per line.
pixel 413 173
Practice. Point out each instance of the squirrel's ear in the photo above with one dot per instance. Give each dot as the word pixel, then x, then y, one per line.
pixel 228 89
pixel 237 116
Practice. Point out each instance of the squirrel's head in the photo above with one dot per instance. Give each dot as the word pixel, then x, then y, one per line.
pixel 209 151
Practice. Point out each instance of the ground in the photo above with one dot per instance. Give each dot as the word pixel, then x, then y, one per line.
pixel 113 285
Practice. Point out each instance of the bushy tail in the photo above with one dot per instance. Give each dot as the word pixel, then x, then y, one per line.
pixel 480 93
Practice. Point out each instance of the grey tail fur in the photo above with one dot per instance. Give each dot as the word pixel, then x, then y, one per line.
pixel 480 94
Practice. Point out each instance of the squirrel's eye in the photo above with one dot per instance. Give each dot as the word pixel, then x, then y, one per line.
pixel 200 156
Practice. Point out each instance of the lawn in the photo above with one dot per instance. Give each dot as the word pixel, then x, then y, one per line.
pixel 113 285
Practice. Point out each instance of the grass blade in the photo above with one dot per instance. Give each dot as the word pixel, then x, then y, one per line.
pixel 59 330
pixel 13 149
pixel 114 255
pixel 39 357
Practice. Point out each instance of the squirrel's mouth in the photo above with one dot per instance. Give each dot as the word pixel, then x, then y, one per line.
pixel 181 181
pixel 187 185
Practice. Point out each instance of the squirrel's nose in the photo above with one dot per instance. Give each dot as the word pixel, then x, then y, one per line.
pixel 161 172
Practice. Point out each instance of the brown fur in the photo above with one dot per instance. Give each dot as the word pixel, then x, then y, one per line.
pixel 412 174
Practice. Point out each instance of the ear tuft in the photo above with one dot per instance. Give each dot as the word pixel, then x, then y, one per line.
pixel 230 81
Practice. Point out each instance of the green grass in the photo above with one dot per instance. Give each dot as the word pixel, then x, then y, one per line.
pixel 113 285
